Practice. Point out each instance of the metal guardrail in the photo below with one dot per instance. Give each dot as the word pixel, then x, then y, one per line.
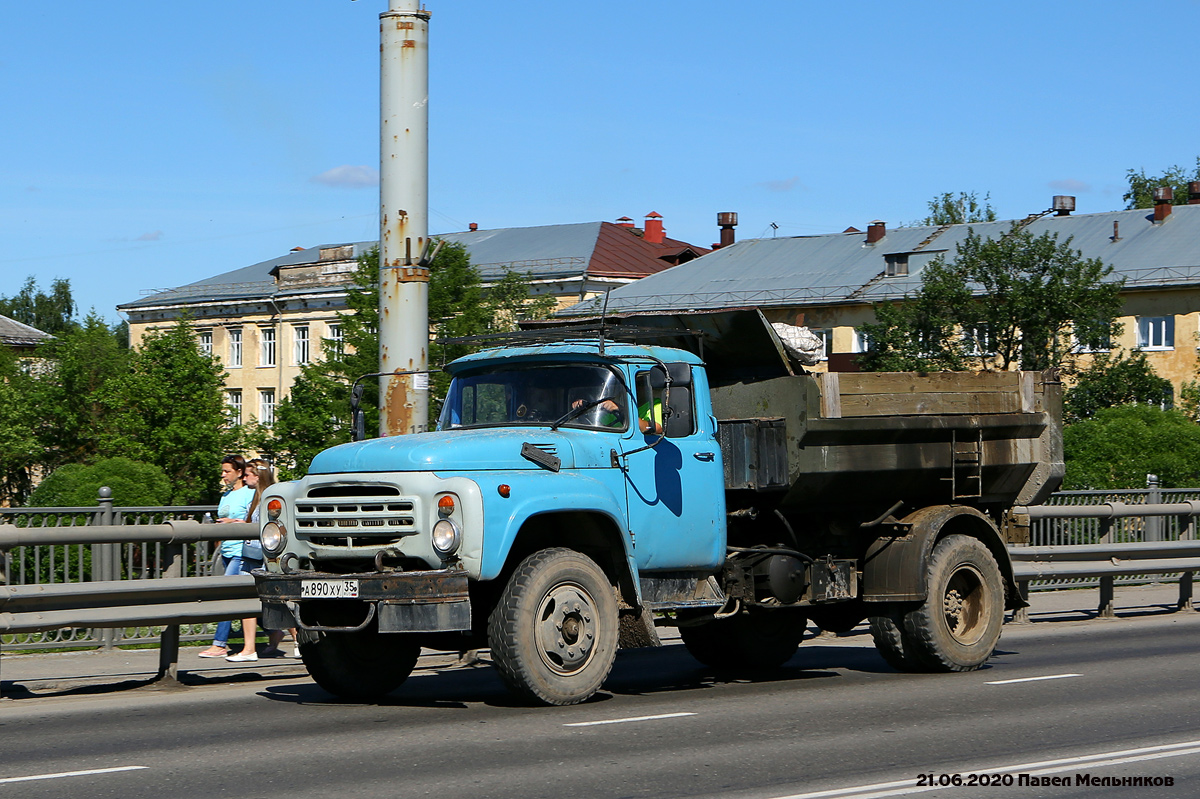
pixel 1108 561
pixel 171 600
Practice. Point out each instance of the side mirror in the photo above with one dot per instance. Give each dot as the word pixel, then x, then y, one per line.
pixel 358 419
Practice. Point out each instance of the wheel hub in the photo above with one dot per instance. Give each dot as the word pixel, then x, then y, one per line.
pixel 964 603
pixel 566 630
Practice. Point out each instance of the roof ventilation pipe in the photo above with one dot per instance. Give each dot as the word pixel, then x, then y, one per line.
pixel 1063 204
pixel 654 232
pixel 1163 197
pixel 727 221
pixel 876 231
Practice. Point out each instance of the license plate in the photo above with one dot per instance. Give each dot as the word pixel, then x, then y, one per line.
pixel 329 589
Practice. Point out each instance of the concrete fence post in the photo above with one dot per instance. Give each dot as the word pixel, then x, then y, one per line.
pixel 168 648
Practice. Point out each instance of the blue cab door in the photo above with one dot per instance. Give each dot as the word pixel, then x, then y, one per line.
pixel 675 490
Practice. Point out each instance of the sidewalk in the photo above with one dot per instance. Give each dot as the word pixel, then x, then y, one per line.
pixel 97 671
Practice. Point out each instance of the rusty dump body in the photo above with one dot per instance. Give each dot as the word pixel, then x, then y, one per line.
pixel 862 440
pixel 987 439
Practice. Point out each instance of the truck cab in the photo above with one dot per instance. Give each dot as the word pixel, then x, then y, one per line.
pixel 606 454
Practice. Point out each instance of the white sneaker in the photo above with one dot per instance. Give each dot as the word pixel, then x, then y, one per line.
pixel 296 651
pixel 243 658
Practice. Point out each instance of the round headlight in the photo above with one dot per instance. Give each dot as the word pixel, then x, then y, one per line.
pixel 274 508
pixel 446 537
pixel 273 538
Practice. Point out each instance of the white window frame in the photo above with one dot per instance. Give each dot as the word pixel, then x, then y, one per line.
pixel 826 336
pixel 268 350
pixel 235 348
pixel 204 338
pixel 1081 348
pixel 1156 333
pixel 972 336
pixel 301 351
pixel 233 398
pixel 859 342
pixel 338 338
pixel 266 406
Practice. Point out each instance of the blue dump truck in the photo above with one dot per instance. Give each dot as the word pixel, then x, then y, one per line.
pixel 584 487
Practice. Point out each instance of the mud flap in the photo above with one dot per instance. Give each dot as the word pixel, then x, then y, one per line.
pixel 637 630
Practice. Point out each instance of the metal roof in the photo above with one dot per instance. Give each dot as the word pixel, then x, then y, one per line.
pixel 842 267
pixel 19 334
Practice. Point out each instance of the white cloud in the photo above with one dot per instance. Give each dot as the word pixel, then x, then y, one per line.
pixel 349 177
pixel 153 235
pixel 1071 186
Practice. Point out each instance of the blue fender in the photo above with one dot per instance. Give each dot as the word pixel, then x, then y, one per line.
pixel 533 494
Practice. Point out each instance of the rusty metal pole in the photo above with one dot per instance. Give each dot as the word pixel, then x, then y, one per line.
pixel 403 216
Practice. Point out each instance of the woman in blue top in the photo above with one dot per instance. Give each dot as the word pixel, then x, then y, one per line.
pixel 234 505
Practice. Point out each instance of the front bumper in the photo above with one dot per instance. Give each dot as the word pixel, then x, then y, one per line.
pixel 403 602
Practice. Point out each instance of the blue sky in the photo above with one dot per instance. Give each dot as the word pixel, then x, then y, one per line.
pixel 146 145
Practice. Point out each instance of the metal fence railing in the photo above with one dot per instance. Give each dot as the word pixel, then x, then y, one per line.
pixel 72 564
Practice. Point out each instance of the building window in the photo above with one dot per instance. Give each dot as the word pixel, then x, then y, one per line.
pixel 234 400
pixel 978 341
pixel 235 347
pixel 1102 345
pixel 266 336
pixel 861 342
pixel 336 343
pixel 895 265
pixel 300 339
pixel 205 338
pixel 826 336
pixel 1156 332
pixel 266 406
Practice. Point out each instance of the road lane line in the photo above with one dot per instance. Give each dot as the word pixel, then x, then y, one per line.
pixel 1033 679
pixel 881 790
pixel 71 774
pixel 633 718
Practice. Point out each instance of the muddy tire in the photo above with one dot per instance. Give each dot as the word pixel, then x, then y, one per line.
pixel 748 641
pixel 553 633
pixel 894 644
pixel 361 666
pixel 958 625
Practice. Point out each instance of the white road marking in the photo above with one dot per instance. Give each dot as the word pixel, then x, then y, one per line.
pixel 880 790
pixel 623 721
pixel 71 774
pixel 1033 679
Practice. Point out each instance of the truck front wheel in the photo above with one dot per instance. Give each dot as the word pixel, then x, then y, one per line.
pixel 759 640
pixel 360 666
pixel 958 625
pixel 553 634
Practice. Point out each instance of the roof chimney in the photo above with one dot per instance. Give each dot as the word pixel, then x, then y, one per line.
pixel 876 231
pixel 624 222
pixel 1163 196
pixel 654 228
pixel 727 221
pixel 1063 204
pixel 473 226
pixel 1194 192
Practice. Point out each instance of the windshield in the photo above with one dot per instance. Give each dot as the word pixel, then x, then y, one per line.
pixel 537 395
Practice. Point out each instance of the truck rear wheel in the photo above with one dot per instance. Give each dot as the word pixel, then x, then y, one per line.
pixel 958 625
pixel 360 666
pixel 763 640
pixel 553 633
pixel 894 644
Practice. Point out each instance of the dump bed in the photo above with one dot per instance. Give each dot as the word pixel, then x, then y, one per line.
pixel 989 439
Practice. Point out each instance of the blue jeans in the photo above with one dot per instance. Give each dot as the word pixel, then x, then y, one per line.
pixel 234 565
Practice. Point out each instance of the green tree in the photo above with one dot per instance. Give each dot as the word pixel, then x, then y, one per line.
pixel 51 312
pixel 1013 300
pixel 962 209
pixel 316 413
pixel 19 447
pixel 1118 447
pixel 78 485
pixel 1142 186
pixel 1114 379
pixel 76 367
pixel 169 410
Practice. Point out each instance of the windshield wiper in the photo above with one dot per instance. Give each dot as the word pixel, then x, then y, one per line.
pixel 579 411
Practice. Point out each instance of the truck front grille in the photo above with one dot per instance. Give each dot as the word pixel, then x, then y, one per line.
pixel 354 516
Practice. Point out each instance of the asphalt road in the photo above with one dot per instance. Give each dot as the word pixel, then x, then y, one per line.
pixel 1108 699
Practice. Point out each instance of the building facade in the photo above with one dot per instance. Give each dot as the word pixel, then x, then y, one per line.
pixel 265 321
